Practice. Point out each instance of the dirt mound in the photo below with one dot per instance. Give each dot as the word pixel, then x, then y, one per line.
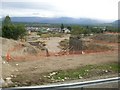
pixel 17 48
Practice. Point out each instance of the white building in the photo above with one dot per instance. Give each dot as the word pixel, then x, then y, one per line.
pixel 66 30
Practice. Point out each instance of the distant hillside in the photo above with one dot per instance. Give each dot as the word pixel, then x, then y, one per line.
pixel 116 23
pixel 65 20
pixel 0 19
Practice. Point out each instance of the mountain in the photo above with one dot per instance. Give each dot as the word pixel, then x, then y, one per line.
pixel 116 23
pixel 65 20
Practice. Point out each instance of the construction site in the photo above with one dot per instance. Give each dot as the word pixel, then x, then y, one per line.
pixel 39 61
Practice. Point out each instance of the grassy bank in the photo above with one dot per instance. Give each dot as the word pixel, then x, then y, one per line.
pixel 84 72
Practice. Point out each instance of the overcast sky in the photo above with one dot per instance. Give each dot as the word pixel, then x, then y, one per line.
pixel 97 9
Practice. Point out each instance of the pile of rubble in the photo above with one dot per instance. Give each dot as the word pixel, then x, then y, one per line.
pixel 17 48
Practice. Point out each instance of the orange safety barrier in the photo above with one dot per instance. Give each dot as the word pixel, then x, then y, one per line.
pixel 8 57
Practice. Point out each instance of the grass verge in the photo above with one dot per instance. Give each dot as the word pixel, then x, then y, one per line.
pixel 88 71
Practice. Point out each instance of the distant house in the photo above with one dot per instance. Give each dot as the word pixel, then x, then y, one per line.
pixel 43 30
pixel 32 29
pixel 66 30
pixel 54 29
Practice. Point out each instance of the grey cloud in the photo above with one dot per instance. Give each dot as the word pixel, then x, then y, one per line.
pixel 29 5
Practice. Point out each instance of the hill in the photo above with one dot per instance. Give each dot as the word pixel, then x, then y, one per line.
pixel 54 20
pixel 116 23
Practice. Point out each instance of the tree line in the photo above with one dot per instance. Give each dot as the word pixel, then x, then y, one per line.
pixel 77 29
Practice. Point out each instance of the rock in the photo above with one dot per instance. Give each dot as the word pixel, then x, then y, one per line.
pixel 48 76
pixel 66 78
pixel 80 77
pixel 4 62
pixel 106 71
pixel 86 70
pixel 62 80
pixel 8 80
pixel 11 76
pixel 44 76
pixel 53 73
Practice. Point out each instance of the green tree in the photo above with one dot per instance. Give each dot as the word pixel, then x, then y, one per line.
pixel 7 21
pixel 12 31
pixel 78 30
pixel 21 30
pixel 62 26
pixel 7 27
pixel 69 27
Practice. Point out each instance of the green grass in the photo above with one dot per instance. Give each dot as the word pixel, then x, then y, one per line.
pixel 73 73
pixel 86 71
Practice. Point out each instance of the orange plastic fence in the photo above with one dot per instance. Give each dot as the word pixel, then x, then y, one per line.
pixel 42 55
pixel 8 57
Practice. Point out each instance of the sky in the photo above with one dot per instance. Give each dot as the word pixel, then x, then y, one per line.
pixel 95 9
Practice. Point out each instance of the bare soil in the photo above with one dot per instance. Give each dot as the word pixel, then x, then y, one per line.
pixel 31 69
pixel 49 64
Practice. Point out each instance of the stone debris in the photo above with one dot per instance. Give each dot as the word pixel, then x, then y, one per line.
pixel 48 76
pixel 53 73
pixel 4 62
pixel 44 76
pixel 63 80
pixel 66 78
pixel 2 81
pixel 8 80
pixel 106 71
pixel 80 77
pixel 11 76
pixel 86 70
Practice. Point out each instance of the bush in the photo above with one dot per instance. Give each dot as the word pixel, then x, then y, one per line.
pixel 77 30
pixel 64 44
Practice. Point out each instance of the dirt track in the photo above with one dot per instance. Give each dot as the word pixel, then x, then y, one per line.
pixel 49 64
pixel 53 42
